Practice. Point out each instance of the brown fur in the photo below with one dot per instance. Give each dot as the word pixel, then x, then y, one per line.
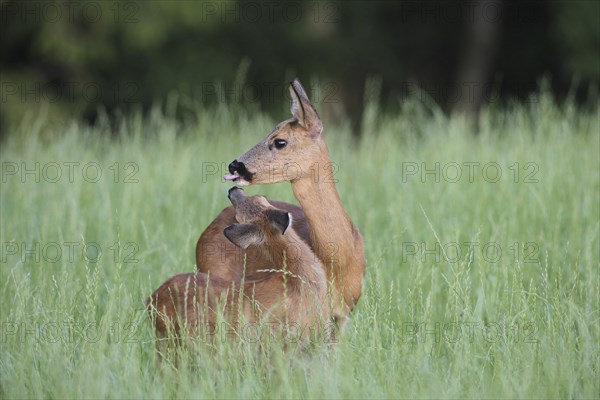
pixel 305 162
pixel 225 260
pixel 191 301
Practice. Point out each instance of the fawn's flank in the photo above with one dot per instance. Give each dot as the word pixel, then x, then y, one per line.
pixel 293 292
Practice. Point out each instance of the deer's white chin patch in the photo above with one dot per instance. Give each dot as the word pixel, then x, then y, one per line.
pixel 241 182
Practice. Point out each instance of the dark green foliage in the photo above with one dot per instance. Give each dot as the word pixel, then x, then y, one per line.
pixel 78 57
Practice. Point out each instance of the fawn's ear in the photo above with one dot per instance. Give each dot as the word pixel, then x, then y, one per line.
pixel 302 110
pixel 243 235
pixel 280 219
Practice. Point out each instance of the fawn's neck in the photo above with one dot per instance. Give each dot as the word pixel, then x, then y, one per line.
pixel 289 251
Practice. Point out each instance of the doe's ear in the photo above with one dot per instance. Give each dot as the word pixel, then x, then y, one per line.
pixel 280 219
pixel 302 110
pixel 243 235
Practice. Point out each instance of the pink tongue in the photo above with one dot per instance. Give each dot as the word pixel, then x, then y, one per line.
pixel 231 177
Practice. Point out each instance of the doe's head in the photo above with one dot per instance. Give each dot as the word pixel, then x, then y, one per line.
pixel 288 152
pixel 258 220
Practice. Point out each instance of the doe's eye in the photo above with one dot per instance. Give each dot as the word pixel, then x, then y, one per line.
pixel 279 143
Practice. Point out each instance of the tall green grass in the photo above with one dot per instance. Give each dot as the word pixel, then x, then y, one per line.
pixel 477 285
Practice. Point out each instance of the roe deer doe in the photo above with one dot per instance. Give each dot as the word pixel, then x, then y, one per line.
pixel 293 294
pixel 294 151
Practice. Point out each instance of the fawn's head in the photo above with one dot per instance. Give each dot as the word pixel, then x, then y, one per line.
pixel 288 152
pixel 258 220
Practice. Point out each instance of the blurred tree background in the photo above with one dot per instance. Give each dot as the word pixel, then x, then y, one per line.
pixel 84 58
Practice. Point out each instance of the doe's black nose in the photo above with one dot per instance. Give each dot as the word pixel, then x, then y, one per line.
pixel 239 170
pixel 233 166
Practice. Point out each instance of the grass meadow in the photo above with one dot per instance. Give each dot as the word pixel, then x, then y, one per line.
pixel 482 248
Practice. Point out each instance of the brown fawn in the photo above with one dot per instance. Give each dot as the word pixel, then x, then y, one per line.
pixel 293 294
pixel 294 151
